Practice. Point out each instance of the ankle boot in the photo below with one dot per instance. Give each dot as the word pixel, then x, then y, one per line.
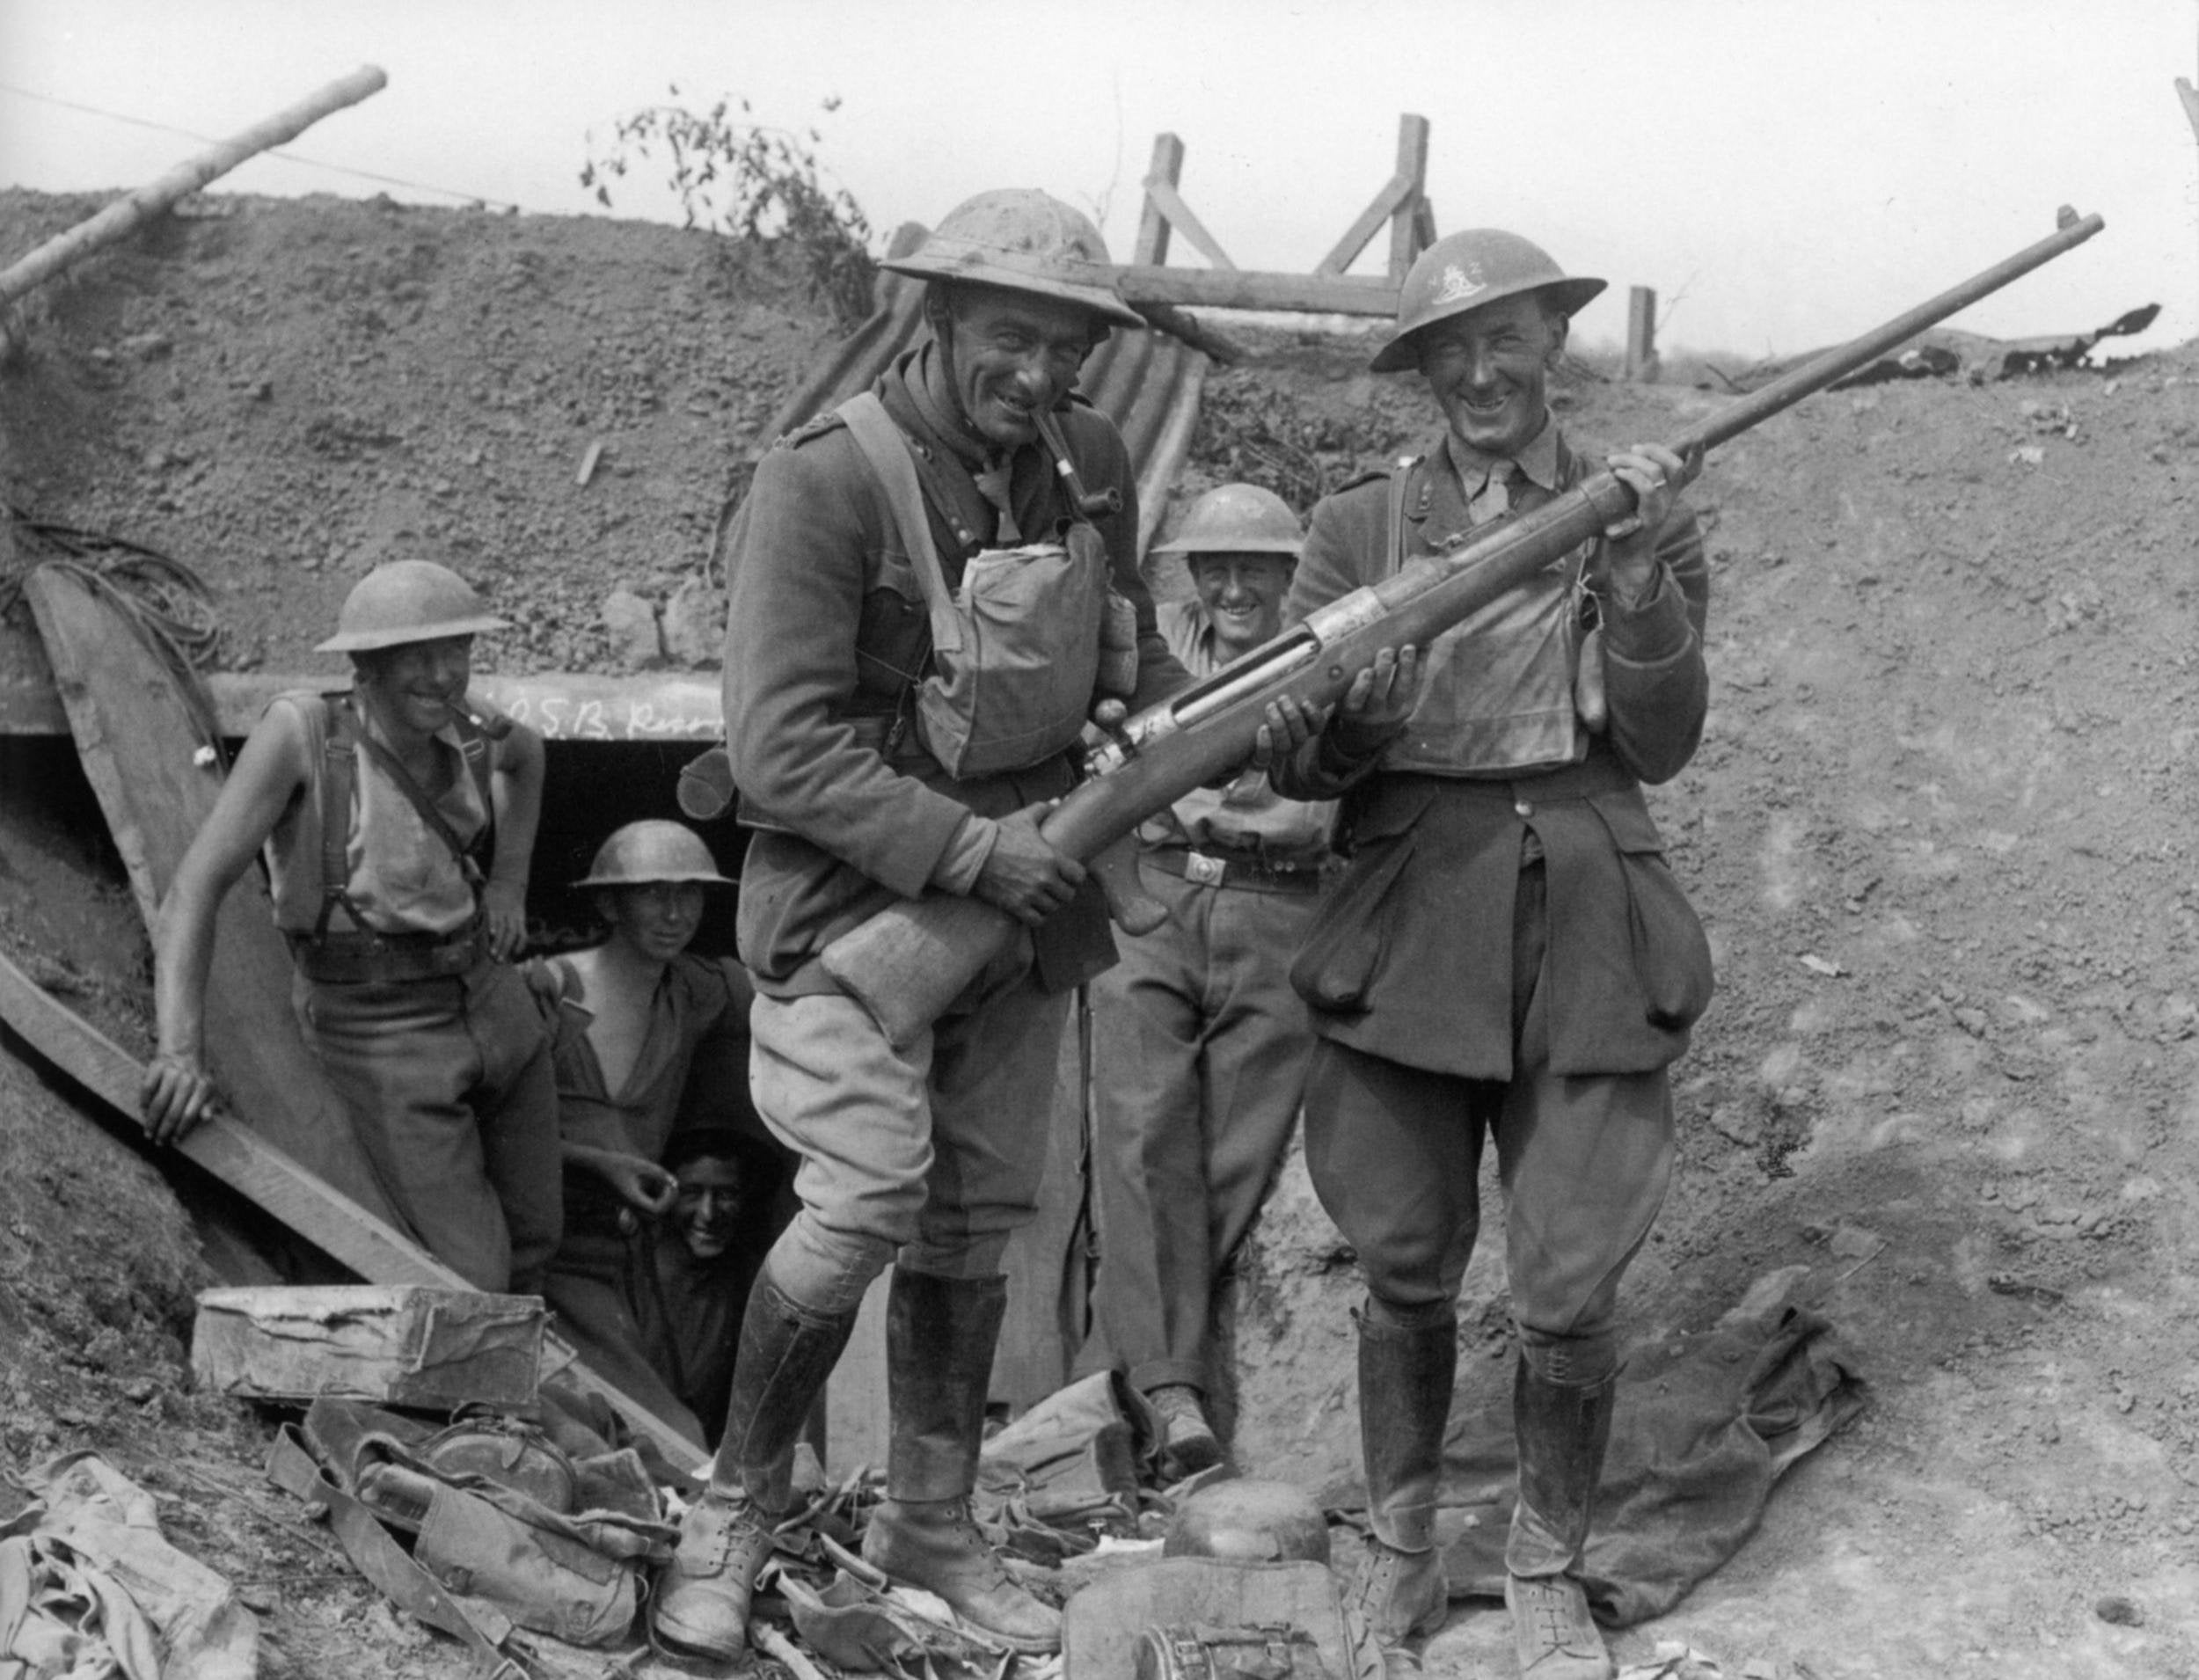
pixel 1562 1432
pixel 701 1609
pixel 1188 1444
pixel 940 1338
pixel 1405 1381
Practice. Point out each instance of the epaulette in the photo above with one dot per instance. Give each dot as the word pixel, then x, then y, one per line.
pixel 1402 463
pixel 815 426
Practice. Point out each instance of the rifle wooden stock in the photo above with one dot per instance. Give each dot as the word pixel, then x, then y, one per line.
pixel 907 964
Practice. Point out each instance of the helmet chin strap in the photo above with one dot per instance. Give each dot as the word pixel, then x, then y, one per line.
pixel 940 312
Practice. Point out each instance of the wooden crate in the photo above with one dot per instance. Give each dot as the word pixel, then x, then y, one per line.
pixel 402 1345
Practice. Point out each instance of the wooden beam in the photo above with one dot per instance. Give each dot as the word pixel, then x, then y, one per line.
pixel 1152 222
pixel 1163 195
pixel 1246 288
pixel 1166 317
pixel 1406 242
pixel 562 705
pixel 274 1181
pixel 135 208
pixel 1642 334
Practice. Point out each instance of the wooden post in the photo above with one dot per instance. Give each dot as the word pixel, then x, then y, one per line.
pixel 1394 204
pixel 1152 224
pixel 2189 96
pixel 135 208
pixel 1642 335
pixel 1405 226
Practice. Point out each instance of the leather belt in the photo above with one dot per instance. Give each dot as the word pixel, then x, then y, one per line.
pixel 1224 869
pixel 359 958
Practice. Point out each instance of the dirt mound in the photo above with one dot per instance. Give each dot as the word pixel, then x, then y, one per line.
pixel 1939 830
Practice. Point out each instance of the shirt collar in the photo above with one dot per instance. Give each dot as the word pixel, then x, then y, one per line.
pixel 1538 462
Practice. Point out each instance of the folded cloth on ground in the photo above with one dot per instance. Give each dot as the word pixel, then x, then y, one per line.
pixel 1704 1424
pixel 86 1566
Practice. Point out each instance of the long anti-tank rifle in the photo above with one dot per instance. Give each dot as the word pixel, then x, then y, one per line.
pixel 908 963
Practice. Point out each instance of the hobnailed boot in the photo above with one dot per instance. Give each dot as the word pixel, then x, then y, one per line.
pixel 701 1609
pixel 1562 1432
pixel 940 1338
pixel 1405 1375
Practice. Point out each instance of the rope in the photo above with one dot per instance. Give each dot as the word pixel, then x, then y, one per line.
pixel 163 599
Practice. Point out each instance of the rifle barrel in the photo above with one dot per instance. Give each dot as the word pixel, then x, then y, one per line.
pixel 1790 388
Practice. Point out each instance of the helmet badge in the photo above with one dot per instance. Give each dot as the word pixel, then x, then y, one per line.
pixel 1458 283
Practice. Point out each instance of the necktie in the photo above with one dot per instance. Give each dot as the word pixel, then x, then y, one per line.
pixel 992 484
pixel 1494 499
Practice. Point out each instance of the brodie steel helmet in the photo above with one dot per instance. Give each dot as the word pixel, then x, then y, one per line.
pixel 1237 519
pixel 1464 271
pixel 1022 240
pixel 644 853
pixel 1249 1521
pixel 408 601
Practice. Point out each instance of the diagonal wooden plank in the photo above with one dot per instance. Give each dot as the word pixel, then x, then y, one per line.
pixel 131 715
pixel 1165 197
pixel 277 1183
pixel 1386 204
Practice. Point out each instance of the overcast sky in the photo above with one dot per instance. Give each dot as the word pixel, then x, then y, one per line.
pixel 1785 174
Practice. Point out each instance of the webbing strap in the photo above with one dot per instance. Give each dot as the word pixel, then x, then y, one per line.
pixel 887 449
pixel 1400 486
pixel 339 771
pixel 339 775
pixel 374 1552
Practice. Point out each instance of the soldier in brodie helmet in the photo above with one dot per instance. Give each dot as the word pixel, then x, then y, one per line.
pixel 399 831
pixel 879 758
pixel 1199 1044
pixel 629 1016
pixel 1506 955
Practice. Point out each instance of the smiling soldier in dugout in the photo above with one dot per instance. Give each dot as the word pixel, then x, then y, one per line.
pixel 1508 955
pixel 1199 1044
pixel 629 1016
pixel 398 831
pixel 882 753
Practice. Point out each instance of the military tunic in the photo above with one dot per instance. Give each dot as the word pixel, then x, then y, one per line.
pixel 1508 951
pixel 940 1146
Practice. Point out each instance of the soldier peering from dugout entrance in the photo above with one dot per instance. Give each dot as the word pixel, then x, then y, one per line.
pixel 398 831
pixel 628 1018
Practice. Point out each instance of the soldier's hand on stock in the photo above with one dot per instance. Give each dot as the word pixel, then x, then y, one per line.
pixel 1023 874
pixel 1287 725
pixel 1377 703
pixel 177 1094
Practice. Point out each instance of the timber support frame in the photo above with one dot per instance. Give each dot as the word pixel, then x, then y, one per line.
pixel 1149 284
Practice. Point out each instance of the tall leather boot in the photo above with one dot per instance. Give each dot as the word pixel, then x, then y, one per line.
pixel 1405 1375
pixel 701 1609
pixel 940 1338
pixel 1562 1432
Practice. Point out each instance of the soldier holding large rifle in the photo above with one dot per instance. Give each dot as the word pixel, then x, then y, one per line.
pixel 1508 955
pixel 929 588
